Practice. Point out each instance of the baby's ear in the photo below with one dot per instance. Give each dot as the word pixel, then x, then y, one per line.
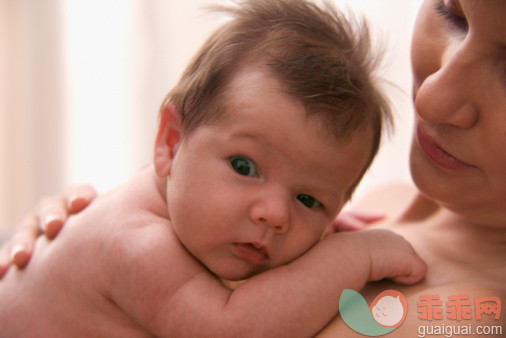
pixel 167 139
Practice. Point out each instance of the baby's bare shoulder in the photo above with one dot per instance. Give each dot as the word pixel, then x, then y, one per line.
pixel 134 240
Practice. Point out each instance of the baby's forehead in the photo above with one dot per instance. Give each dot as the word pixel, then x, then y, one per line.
pixel 251 80
pixel 257 107
pixel 247 100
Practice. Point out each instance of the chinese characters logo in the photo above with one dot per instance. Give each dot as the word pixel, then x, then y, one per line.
pixel 458 307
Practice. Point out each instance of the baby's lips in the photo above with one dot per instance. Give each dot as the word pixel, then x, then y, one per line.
pixel 262 247
pixel 251 252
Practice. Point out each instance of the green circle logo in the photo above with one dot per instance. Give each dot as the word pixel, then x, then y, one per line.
pixel 386 313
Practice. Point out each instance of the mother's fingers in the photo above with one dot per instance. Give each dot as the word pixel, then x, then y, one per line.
pixel 18 249
pixel 23 241
pixel 49 216
pixel 5 260
pixel 52 213
pixel 79 197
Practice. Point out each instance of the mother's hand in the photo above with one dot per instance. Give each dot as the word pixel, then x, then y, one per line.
pixel 48 219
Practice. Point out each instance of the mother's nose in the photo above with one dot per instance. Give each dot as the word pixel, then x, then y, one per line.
pixel 271 207
pixel 449 95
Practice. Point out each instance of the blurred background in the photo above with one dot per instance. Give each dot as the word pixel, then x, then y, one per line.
pixel 81 83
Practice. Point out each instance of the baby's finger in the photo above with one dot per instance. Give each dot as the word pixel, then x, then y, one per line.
pixel 417 272
pixel 79 197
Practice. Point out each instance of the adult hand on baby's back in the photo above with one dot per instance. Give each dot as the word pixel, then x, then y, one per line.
pixel 18 249
pixel 48 219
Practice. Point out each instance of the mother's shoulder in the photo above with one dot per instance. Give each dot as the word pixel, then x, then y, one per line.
pixel 463 290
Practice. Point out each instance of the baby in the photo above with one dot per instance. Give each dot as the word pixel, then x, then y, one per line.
pixel 259 146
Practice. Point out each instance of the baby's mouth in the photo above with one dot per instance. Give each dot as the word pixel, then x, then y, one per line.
pixel 253 252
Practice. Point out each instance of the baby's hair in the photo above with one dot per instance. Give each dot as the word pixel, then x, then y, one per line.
pixel 322 56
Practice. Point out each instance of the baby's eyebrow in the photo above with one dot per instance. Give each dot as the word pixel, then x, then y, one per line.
pixel 246 135
pixel 250 138
pixel 254 137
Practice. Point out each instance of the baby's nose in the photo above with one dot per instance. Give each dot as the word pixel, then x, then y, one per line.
pixel 273 209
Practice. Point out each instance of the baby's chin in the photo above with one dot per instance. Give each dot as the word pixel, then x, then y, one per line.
pixel 237 275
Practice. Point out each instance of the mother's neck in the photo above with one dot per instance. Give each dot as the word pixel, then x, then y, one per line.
pixel 449 224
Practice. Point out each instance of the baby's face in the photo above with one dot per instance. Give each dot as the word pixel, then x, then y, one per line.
pixel 258 189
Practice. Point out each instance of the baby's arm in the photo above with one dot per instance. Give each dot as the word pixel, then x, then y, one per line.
pixel 293 300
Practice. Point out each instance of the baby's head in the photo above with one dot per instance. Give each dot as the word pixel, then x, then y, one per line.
pixel 267 134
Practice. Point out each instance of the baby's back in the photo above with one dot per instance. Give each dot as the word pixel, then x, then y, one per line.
pixel 66 289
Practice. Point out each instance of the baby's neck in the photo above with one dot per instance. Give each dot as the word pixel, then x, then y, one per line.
pixel 149 191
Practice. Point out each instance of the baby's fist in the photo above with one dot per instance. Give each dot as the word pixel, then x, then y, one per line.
pixel 393 257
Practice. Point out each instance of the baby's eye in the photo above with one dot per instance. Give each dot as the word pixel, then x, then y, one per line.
pixel 308 201
pixel 243 166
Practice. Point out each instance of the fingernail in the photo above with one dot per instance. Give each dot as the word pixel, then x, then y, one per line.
pixel 16 250
pixel 75 203
pixel 49 220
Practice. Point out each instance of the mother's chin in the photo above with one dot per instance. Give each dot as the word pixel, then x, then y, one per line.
pixel 471 197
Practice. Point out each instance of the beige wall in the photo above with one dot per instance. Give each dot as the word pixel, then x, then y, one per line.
pixel 32 109
pixel 80 87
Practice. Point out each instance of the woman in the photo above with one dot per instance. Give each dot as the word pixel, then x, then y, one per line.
pixel 456 218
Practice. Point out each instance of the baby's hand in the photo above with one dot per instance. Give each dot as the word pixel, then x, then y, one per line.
pixel 392 257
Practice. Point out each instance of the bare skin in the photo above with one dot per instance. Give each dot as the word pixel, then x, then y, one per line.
pixel 461 258
pixel 48 218
pixel 455 218
pixel 147 258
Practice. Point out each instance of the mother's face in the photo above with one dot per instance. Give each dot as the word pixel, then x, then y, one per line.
pixel 458 155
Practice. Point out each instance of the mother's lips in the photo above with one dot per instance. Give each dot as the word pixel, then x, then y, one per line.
pixel 437 154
